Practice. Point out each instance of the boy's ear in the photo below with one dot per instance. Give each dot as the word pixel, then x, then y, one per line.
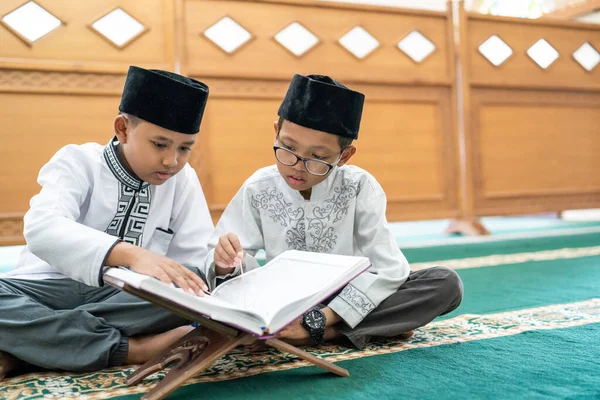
pixel 275 126
pixel 120 127
pixel 348 153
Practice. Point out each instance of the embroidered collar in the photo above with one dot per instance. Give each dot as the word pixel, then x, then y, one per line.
pixel 119 170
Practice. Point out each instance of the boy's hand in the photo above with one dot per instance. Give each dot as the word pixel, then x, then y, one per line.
pixel 228 254
pixel 163 268
pixel 294 330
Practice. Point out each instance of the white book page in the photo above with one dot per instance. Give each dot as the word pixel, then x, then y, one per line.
pixel 266 290
pixel 292 281
pixel 207 305
pixel 124 275
pixel 163 290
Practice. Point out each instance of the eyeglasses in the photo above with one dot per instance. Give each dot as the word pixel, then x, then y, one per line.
pixel 312 165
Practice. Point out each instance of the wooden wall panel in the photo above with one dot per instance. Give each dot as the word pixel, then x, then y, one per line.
pixel 239 138
pixel 407 124
pixel 38 125
pixel 535 151
pixel 417 146
pixel 263 57
pixel 405 142
pixel 65 88
pixel 520 71
pixel 74 46
pixel 11 229
pixel 531 134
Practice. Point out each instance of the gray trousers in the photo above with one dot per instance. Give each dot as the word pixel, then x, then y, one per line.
pixel 66 325
pixel 425 295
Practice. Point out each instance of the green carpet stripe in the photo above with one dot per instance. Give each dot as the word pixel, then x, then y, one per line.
pixel 555 364
pixel 453 240
pixel 435 253
pixel 530 284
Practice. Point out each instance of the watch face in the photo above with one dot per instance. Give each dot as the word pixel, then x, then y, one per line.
pixel 314 319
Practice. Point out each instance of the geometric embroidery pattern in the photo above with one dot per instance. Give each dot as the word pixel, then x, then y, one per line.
pixel 120 172
pixel 132 210
pixel 134 201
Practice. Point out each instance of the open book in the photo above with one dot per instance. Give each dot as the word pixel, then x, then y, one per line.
pixel 264 300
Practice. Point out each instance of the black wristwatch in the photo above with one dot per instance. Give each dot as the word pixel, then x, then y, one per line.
pixel 314 322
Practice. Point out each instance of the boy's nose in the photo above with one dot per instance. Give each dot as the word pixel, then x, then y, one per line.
pixel 170 161
pixel 299 166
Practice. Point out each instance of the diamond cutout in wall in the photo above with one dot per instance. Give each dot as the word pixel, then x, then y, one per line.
pixel 30 22
pixel 359 42
pixel 228 34
pixel 587 56
pixel 296 38
pixel 542 53
pixel 495 50
pixel 416 46
pixel 119 28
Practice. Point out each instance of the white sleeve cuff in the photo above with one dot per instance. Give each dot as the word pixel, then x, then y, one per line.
pixel 352 305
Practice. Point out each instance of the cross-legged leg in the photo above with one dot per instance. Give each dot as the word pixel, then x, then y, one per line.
pixel 39 325
pixel 426 295
pixel 66 325
pixel 146 330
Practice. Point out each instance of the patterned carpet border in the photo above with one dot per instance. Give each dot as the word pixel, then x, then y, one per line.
pixel 505 259
pixel 111 382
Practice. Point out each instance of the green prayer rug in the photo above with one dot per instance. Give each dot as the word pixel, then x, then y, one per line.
pixel 462 329
pixel 529 327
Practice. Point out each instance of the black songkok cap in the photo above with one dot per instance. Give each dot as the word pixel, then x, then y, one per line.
pixel 163 98
pixel 318 102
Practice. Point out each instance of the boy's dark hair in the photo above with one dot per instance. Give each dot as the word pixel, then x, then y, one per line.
pixel 342 141
pixel 131 118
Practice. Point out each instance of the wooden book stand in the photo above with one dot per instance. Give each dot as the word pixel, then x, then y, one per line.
pixel 200 348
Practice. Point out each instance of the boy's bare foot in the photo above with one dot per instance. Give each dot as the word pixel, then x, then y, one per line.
pixel 142 349
pixel 406 335
pixel 258 345
pixel 8 363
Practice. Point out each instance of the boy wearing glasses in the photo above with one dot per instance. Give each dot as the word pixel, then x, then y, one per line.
pixel 312 200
